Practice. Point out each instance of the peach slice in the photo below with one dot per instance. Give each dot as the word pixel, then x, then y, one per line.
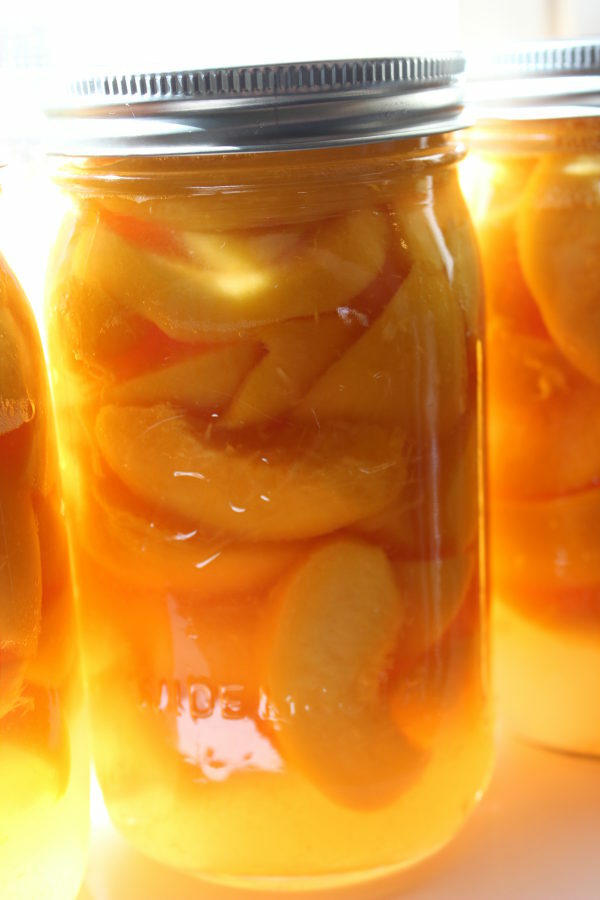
pixel 16 404
pixel 12 679
pixel 56 648
pixel 453 219
pixel 558 232
pixel 205 381
pixel 20 572
pixel 35 749
pixel 339 622
pixel 438 514
pixel 192 302
pixel 150 554
pixel 544 427
pixel 306 483
pixel 551 543
pixel 89 324
pixel 408 369
pixel 432 592
pixel 298 352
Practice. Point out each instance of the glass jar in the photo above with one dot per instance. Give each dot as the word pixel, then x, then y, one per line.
pixel 267 366
pixel 43 750
pixel 535 197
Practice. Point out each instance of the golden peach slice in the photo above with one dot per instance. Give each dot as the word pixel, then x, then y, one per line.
pixel 192 302
pixel 12 679
pixel 439 512
pixel 20 572
pixel 453 219
pixel 35 740
pixel 205 381
pixel 544 427
pixel 548 543
pixel 298 351
pixel 56 650
pixel 148 553
pixel 89 325
pixel 16 404
pixel 309 482
pixel 338 627
pixel 432 592
pixel 558 233
pixel 383 377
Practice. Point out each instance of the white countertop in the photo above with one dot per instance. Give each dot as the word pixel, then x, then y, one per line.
pixel 534 836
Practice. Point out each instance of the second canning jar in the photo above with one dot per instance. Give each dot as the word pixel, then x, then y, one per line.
pixel 536 200
pixel 264 326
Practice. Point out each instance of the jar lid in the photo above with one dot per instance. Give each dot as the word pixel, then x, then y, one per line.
pixel 541 80
pixel 258 108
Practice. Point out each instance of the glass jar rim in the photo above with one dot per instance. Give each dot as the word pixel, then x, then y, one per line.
pixel 536 80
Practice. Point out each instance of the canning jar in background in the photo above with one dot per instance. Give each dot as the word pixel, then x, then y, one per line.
pixel 43 751
pixel 535 179
pixel 267 367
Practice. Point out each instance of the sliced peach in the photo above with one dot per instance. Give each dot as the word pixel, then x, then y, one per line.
pixel 297 352
pixel 308 482
pixel 569 611
pixel 439 511
pixel 35 746
pixel 338 626
pixel 544 426
pixel 453 219
pixel 57 643
pixel 12 679
pixel 151 554
pixel 408 369
pixel 190 302
pixel 444 688
pixel 17 406
pixel 432 592
pixel 20 572
pixel 494 185
pixel 548 543
pixel 205 381
pixel 559 245
pixel 90 325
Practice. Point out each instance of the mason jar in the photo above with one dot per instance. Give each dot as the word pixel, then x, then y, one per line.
pixel 535 174
pixel 264 324
pixel 44 762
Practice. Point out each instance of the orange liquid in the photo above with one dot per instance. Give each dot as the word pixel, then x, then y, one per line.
pixel 268 397
pixel 43 760
pixel 540 240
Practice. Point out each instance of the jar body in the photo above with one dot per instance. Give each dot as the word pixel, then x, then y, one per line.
pixel 44 762
pixel 268 385
pixel 536 206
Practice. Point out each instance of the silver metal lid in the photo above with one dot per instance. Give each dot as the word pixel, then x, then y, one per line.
pixel 275 107
pixel 542 80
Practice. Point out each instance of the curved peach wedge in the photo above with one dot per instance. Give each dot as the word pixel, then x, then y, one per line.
pixel 408 369
pixel 20 572
pixel 16 405
pixel 192 302
pixel 153 555
pixel 559 245
pixel 298 351
pixel 339 620
pixel 205 381
pixel 549 543
pixel 432 592
pixel 545 434
pixel 438 515
pixel 307 484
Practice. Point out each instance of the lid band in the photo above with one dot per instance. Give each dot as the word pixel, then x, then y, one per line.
pixel 282 107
